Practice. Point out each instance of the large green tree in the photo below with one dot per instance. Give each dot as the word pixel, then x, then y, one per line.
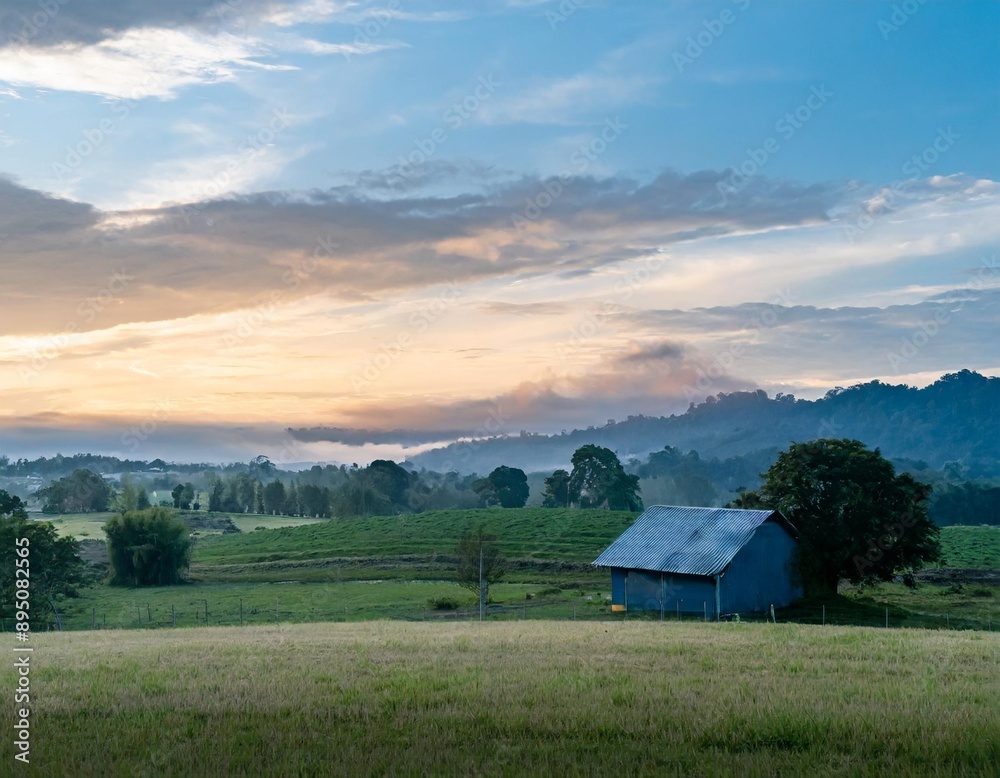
pixel 274 498
pixel 81 492
pixel 54 567
pixel 858 519
pixel 183 495
pixel 388 478
pixel 598 480
pixel 505 486
pixel 147 548
pixel 556 494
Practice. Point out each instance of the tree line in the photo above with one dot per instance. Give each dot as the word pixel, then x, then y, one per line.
pixel 855 516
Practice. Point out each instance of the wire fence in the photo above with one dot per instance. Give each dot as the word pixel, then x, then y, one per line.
pixel 184 613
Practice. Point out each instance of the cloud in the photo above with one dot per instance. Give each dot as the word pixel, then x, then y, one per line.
pixel 525 309
pixel 129 50
pixel 568 100
pixel 321 48
pixel 803 347
pixel 653 379
pixel 89 22
pixel 139 63
pixel 224 254
pixel 620 78
pixel 359 437
pixel 640 353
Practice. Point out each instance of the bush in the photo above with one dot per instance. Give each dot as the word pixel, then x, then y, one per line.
pixel 444 603
pixel 147 548
pixel 982 591
pixel 550 591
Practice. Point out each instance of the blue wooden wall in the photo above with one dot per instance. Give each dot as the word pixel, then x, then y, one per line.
pixel 761 574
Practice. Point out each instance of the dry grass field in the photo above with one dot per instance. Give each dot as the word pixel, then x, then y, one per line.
pixel 513 698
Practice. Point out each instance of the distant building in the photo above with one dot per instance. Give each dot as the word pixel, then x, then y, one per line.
pixel 705 561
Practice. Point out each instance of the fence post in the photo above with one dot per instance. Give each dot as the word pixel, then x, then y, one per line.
pixel 887 618
pixel 241 611
pixel 824 615
pixel 93 619
pixel 138 613
pixel 173 617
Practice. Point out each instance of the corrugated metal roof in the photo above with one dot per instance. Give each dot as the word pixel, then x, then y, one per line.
pixel 692 541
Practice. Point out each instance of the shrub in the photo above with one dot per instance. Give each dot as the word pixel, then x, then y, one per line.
pixel 443 603
pixel 147 548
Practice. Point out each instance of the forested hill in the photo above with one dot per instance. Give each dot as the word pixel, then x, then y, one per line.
pixel 954 420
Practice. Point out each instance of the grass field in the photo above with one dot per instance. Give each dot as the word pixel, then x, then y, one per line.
pixel 537 698
pixel 82 526
pixel 266 603
pixel 90 526
pixel 976 548
pixel 389 567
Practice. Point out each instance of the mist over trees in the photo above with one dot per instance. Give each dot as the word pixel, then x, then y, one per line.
pixel 942 423
pixel 944 430
pixel 81 492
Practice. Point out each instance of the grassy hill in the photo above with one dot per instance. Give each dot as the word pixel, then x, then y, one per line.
pixel 975 548
pixel 543 540
pixel 514 698
pixel 421 545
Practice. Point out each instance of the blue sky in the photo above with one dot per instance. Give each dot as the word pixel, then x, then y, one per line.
pixel 571 210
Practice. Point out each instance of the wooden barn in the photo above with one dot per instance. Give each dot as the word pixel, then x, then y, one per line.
pixel 705 561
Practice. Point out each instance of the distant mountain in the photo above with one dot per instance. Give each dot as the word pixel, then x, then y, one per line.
pixel 953 423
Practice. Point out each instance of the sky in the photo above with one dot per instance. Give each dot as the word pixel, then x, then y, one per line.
pixel 412 222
